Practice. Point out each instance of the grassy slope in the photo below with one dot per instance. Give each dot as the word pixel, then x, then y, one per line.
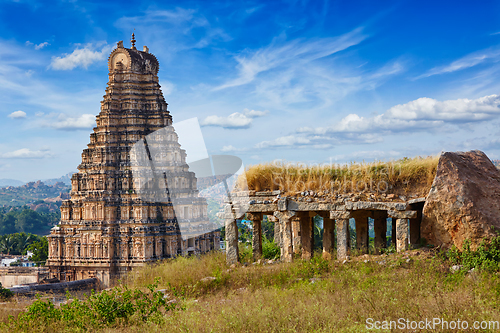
pixel 314 296
pixel 403 176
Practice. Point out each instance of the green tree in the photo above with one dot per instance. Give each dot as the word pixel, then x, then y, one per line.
pixel 7 244
pixel 23 240
pixel 40 251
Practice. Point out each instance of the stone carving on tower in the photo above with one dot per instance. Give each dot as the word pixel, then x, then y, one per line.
pixel 110 224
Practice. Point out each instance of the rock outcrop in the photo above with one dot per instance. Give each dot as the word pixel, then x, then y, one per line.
pixel 464 200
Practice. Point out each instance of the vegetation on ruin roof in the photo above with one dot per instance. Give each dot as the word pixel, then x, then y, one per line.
pixel 407 175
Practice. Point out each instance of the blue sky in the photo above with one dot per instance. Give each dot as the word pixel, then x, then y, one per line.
pixel 304 81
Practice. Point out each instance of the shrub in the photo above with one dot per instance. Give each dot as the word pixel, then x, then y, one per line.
pixel 5 293
pixel 270 250
pixel 486 257
pixel 104 309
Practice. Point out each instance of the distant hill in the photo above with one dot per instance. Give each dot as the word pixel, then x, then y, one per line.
pixel 37 195
pixel 66 179
pixel 10 182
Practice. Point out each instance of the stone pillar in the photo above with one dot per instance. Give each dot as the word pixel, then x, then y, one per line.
pixel 380 229
pixel 401 235
pixel 393 232
pixel 307 234
pixel 297 242
pixel 256 219
pixel 277 230
pixel 362 231
pixel 402 220
pixel 415 223
pixel 343 237
pixel 232 251
pixel 286 234
pixel 328 237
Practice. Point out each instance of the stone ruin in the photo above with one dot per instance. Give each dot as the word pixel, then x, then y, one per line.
pixel 106 228
pixel 463 203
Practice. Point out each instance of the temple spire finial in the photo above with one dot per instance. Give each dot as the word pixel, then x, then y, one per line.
pixel 132 41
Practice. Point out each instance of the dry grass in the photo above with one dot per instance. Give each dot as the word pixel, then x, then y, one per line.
pixel 413 175
pixel 321 296
pixel 314 296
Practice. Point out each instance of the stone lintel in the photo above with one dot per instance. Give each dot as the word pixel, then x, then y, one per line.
pixel 263 208
pixel 340 214
pixel 417 200
pixel 368 205
pixel 267 193
pixel 254 216
pixel 408 214
pixel 312 206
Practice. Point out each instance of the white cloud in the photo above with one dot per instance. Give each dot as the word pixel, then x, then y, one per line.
pixel 285 141
pixel 235 120
pixel 421 114
pixel 41 45
pixel 37 46
pixel 181 29
pixel 81 57
pixel 470 60
pixel 254 113
pixel 17 115
pixel 296 52
pixel 27 153
pixel 229 148
pixel 63 122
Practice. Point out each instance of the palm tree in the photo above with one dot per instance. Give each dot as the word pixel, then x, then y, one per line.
pixel 23 240
pixel 7 244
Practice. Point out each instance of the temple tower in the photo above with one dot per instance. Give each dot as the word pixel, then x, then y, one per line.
pixel 106 228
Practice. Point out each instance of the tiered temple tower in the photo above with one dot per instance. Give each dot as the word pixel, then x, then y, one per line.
pixel 106 227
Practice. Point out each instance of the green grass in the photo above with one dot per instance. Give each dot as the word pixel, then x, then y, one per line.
pixel 303 296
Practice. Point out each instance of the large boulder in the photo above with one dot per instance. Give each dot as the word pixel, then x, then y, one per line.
pixel 464 200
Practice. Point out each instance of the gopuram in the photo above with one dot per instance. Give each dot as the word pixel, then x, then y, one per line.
pixel 106 227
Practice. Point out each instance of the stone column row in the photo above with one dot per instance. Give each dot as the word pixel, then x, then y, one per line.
pixel 295 234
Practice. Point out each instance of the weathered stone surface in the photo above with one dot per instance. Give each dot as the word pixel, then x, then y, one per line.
pixel 343 240
pixel 232 251
pixel 297 241
pixel 361 218
pixel 464 200
pixel 368 205
pixel 401 235
pixel 286 234
pixel 262 208
pixel 380 229
pixel 328 237
pixel 256 235
pixel 408 214
pixel 342 214
pixel 282 204
pixel 306 235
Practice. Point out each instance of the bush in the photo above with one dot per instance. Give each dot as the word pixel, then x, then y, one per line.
pixel 104 309
pixel 5 293
pixel 486 257
pixel 270 250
